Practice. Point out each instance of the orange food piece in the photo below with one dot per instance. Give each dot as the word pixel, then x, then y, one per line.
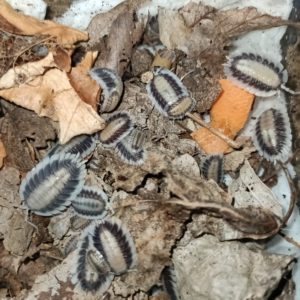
pixel 229 114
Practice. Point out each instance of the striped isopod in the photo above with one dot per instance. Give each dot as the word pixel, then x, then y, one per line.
pixel 118 125
pixel 91 203
pixel 272 137
pixel 169 283
pixel 53 183
pixel 116 245
pixel 130 149
pixel 84 145
pixel 168 94
pixel 212 167
pixel 92 273
pixel 112 88
pixel 256 74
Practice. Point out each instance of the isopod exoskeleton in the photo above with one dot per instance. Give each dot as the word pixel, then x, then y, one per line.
pixel 51 185
pixel 212 167
pixel 169 95
pixel 272 137
pixel 91 203
pixel 70 245
pixel 84 145
pixel 116 245
pixel 118 125
pixel 169 283
pixel 130 149
pixel 256 74
pixel 111 85
pixel 93 273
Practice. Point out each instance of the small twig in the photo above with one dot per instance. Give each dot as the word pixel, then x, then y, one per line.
pixel 290 240
pixel 214 131
pixel 293 196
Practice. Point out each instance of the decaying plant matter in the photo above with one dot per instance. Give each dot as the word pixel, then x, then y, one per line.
pixel 175 217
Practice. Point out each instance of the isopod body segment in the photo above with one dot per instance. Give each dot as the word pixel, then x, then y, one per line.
pixel 51 185
pixel 169 95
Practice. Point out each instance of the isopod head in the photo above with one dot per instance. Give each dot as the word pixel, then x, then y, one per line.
pixel 168 94
pixel 272 137
pixel 112 88
pixel 118 126
pixel 91 203
pixel 53 183
pixel 115 243
pixel 255 74
pixel 93 273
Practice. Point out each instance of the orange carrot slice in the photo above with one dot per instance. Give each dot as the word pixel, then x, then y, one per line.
pixel 229 114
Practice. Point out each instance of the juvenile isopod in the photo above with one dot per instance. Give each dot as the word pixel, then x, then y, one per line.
pixel 84 145
pixel 256 74
pixel 93 273
pixel 130 149
pixel 51 185
pixel 70 245
pixel 212 167
pixel 118 126
pixel 91 203
pixel 169 95
pixel 272 137
pixel 78 224
pixel 114 242
pixel 169 283
pixel 112 88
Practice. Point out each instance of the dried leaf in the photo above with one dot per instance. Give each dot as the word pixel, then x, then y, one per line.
pixel 235 265
pixel 229 114
pixel 2 153
pixel 203 31
pixel 123 35
pixel 23 131
pixel 52 95
pixel 87 88
pixel 26 25
pixel 248 189
pixel 26 72
pixel 62 59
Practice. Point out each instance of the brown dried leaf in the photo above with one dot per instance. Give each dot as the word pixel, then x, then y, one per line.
pixel 2 153
pixel 155 228
pixel 123 35
pixel 194 189
pixel 248 189
pixel 62 59
pixel 20 24
pixel 202 30
pixel 87 88
pixel 24 131
pixel 235 265
pixel 51 95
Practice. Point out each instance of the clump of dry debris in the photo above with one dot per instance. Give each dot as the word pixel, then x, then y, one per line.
pixel 175 206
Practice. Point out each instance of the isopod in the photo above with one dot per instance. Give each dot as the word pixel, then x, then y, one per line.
pixel 83 144
pixel 168 94
pixel 51 185
pixel 168 279
pixel 212 167
pixel 115 243
pixel 272 137
pixel 130 149
pixel 118 125
pixel 91 203
pixel 93 273
pixel 256 74
pixel 111 85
